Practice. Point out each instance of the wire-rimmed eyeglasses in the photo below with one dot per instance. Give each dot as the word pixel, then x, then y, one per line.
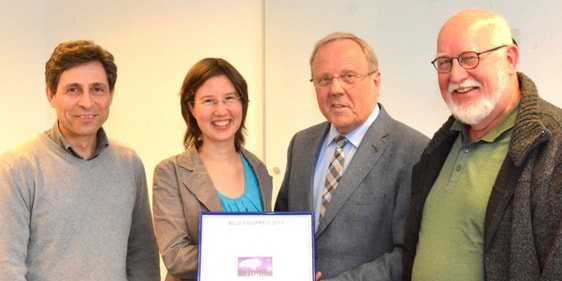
pixel 227 101
pixel 468 60
pixel 348 77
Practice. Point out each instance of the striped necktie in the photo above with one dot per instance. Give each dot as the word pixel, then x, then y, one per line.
pixel 335 172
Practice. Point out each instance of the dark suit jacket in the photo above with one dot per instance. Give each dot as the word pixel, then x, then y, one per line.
pixel 360 237
pixel 182 188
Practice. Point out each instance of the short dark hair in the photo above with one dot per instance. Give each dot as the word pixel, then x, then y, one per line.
pixel 72 53
pixel 199 73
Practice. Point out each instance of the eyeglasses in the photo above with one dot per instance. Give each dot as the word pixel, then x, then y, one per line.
pixel 348 77
pixel 227 101
pixel 468 60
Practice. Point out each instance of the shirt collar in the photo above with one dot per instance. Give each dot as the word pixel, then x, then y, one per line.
pixel 354 137
pixel 57 137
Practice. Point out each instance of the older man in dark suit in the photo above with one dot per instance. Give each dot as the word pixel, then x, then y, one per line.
pixel 354 170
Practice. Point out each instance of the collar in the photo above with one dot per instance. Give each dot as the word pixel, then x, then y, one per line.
pixel 505 124
pixel 354 137
pixel 57 137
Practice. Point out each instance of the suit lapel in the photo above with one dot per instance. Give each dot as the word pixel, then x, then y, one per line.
pixel 198 181
pixel 264 179
pixel 305 154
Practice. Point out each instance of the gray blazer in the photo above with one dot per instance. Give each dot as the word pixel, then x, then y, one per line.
pixel 360 237
pixel 181 189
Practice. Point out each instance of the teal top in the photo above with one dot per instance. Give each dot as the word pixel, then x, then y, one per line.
pixel 250 200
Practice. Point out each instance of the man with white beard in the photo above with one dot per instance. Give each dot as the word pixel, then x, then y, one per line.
pixel 487 192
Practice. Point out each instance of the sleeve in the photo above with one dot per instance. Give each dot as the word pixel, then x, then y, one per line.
pixel 178 249
pixel 15 213
pixel 549 241
pixel 142 252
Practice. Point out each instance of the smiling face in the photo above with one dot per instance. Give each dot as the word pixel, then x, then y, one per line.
pixel 219 122
pixel 472 95
pixel 82 101
pixel 468 107
pixel 479 96
pixel 346 106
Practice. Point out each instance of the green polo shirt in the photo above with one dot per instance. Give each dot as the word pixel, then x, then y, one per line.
pixel 451 238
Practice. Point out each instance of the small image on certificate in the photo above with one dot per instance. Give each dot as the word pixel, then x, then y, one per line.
pixel 255 266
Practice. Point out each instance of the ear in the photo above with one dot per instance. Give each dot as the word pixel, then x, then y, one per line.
pixel 377 78
pixel 190 106
pixel 512 56
pixel 50 96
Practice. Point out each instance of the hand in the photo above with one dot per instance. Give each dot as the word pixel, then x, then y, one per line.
pixel 318 275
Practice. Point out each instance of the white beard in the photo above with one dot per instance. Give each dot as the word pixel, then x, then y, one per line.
pixel 476 112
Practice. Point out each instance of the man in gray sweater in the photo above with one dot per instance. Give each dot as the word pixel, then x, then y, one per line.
pixel 74 204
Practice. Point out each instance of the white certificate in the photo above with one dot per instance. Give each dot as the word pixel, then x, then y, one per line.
pixel 256 246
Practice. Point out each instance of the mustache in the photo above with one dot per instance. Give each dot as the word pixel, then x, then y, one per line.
pixel 470 83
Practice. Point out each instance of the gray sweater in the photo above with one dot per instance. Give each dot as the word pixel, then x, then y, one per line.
pixel 63 218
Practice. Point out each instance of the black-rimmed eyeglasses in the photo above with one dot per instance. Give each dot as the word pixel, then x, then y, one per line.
pixel 468 60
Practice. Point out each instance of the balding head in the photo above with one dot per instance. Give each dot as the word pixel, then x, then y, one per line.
pixel 476 28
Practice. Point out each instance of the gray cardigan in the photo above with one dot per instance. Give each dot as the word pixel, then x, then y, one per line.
pixel 523 225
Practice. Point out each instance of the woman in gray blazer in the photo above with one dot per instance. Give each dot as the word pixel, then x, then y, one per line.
pixel 214 173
